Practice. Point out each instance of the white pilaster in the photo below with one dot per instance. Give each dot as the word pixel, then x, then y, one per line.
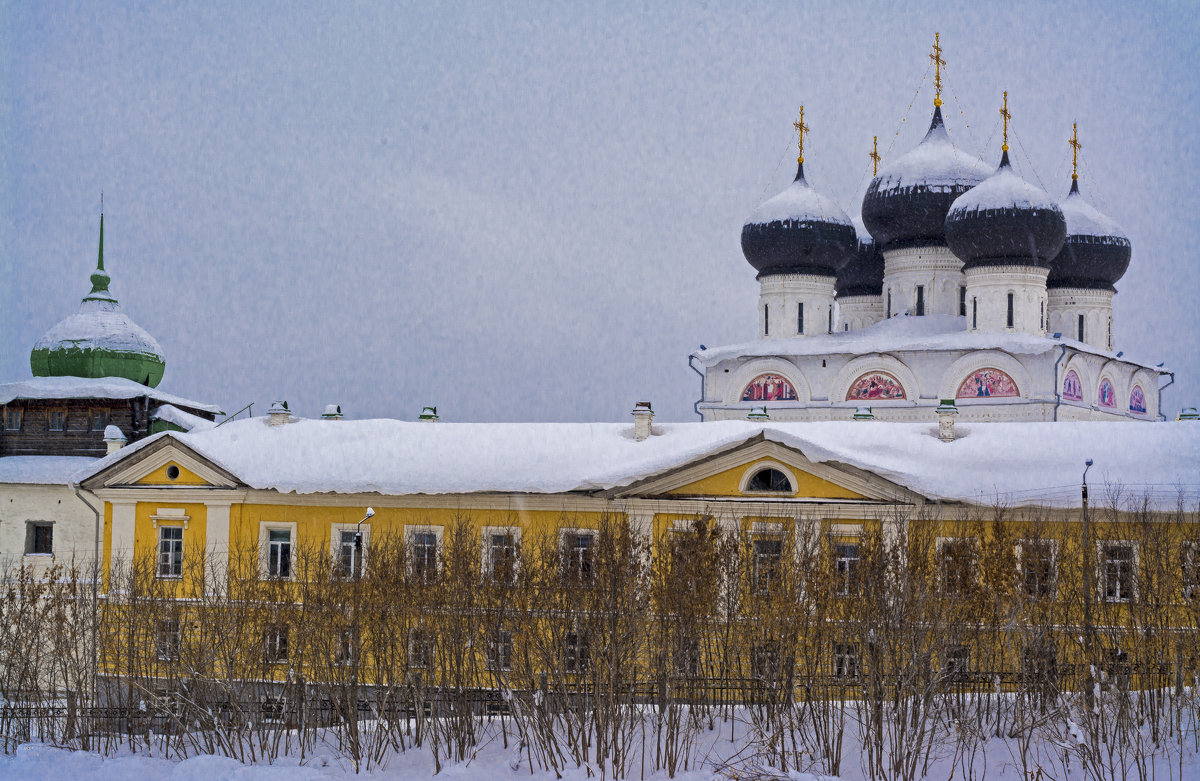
pixel 124 515
pixel 217 541
pixel 935 270
pixel 988 292
pixel 779 305
pixel 1066 305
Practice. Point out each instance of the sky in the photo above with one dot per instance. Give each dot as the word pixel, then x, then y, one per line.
pixel 532 211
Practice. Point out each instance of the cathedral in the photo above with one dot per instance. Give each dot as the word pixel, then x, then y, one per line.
pixel 960 284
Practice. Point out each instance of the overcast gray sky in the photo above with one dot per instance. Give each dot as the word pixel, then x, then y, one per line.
pixel 524 211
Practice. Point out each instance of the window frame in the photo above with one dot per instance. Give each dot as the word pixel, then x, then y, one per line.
pixel 276 644
pixel 576 652
pixel 176 553
pixel 1189 565
pixel 845 662
pixel 500 651
pixel 11 411
pixel 765 575
pixel 168 639
pixel 963 587
pixel 578 569
pixel 427 571
pixel 421 649
pixel 488 557
pixel 349 645
pixel 845 576
pixel 1102 571
pixel 31 537
pixel 264 546
pixel 103 412
pixel 336 544
pixel 50 419
pixel 1047 590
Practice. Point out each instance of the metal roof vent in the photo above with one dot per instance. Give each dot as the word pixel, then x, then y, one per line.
pixel 428 415
pixel 332 412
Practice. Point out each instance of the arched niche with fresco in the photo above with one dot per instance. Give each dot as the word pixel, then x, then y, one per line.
pixel 769 387
pixel 876 386
pixel 988 383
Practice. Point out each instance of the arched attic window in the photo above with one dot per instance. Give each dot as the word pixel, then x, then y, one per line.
pixel 771 480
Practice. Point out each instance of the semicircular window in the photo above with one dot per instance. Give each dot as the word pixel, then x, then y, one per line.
pixel 988 383
pixel 769 387
pixel 1072 389
pixel 875 385
pixel 770 480
pixel 1137 400
pixel 1107 396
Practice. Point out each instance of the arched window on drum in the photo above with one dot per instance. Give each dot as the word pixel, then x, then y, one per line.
pixel 769 387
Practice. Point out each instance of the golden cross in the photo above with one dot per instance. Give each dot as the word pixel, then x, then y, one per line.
pixel 1075 147
pixel 801 129
pixel 1004 113
pixel 938 62
pixel 875 156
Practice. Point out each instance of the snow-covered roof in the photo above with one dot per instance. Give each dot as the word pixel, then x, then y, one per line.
pixel 185 420
pixel 1084 220
pixel 1002 190
pixel 100 324
pixel 87 388
pixel 1019 463
pixel 928 332
pixel 42 470
pixel 799 202
pixel 935 164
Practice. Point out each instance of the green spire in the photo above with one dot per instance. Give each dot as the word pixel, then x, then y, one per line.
pixel 100 277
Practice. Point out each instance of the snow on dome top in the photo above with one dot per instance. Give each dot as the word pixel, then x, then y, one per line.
pixel 906 203
pixel 1096 253
pixel 799 231
pixel 1005 220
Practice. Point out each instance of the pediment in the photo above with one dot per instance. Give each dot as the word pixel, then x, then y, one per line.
pixel 165 463
pixel 727 475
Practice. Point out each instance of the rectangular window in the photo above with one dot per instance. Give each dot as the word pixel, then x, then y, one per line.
pixel 12 419
pixel 800 318
pixel 502 557
pixel 424 546
pixel 920 300
pixel 889 304
pixel 577 556
pixel 829 329
pixel 768 553
pixel 766 320
pixel 98 419
pixel 687 655
pixel 1042 315
pixel 845 661
pixel 170 551
pixel 1117 561
pixel 279 553
pixel 1189 560
pixel 1038 568
pixel 962 300
pixel 275 644
pixel 974 312
pixel 958 662
pixel 168 639
pixel 420 649
pixel 1010 310
pixel 577 653
pixel 1110 345
pixel 56 419
pixel 1081 328
pixel 846 558
pixel 764 662
pixel 39 538
pixel 500 651
pixel 348 565
pixel 958 566
pixel 346 650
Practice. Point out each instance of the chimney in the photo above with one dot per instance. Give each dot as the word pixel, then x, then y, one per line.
pixel 428 415
pixel 946 412
pixel 114 440
pixel 1188 413
pixel 278 414
pixel 642 415
pixel 758 415
pixel 863 413
pixel 332 412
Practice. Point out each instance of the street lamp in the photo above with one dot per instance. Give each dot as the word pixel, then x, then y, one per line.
pixel 371 514
pixel 1089 572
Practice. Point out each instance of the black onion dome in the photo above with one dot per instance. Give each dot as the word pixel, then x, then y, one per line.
pixel 1096 253
pixel 799 231
pixel 906 204
pixel 1005 221
pixel 863 275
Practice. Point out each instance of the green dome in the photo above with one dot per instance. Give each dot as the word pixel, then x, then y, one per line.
pixel 99 340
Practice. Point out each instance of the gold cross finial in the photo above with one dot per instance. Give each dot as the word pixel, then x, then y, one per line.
pixel 801 129
pixel 875 156
pixel 938 62
pixel 1075 147
pixel 1004 113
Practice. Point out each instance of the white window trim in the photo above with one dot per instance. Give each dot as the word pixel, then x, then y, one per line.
pixel 172 515
pixel 158 551
pixel 486 533
pixel 941 544
pixel 758 466
pixel 413 529
pixel 429 642
pixel 264 550
pixel 1054 562
pixel 177 647
pixel 335 544
pixel 487 662
pixel 1101 583
pixel 53 540
pixel 1190 549
pixel 562 543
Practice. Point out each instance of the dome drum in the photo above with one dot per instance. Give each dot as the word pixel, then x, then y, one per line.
pixel 863 275
pixel 1096 253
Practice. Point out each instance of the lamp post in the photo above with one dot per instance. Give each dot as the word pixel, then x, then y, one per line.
pixel 353 650
pixel 1089 572
pixel 371 514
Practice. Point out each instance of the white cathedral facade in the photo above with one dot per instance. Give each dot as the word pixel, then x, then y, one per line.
pixel 960 282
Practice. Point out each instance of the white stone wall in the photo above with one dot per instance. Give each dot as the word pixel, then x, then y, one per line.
pixel 780 296
pixel 988 291
pixel 74 524
pixel 857 312
pixel 1066 305
pixel 934 269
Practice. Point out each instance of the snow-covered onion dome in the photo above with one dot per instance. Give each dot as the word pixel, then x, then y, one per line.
pixel 1005 221
pixel 906 204
pixel 1096 253
pixel 99 340
pixel 863 275
pixel 799 231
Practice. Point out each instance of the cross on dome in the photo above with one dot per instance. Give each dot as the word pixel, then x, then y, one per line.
pixel 801 129
pixel 938 62
pixel 1007 116
pixel 1075 147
